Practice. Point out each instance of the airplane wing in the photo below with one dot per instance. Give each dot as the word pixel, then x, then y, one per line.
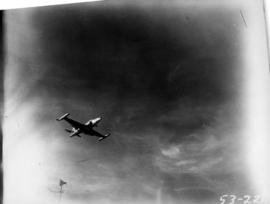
pixel 98 134
pixel 101 136
pixel 73 123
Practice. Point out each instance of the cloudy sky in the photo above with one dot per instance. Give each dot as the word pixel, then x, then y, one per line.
pixel 165 78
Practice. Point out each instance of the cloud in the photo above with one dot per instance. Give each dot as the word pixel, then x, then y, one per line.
pixel 172 152
pixel 185 162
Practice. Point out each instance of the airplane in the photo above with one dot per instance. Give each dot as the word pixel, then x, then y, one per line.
pixel 87 128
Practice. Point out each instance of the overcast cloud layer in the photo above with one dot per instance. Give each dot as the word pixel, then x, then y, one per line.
pixel 166 80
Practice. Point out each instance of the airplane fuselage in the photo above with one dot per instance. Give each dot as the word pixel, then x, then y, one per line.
pixel 88 130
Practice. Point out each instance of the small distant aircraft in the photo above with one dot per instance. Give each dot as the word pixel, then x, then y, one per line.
pixel 87 128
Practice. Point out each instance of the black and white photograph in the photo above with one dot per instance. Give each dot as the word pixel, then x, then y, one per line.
pixel 136 102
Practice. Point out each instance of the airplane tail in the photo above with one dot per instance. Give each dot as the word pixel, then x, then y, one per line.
pixel 72 133
pixel 63 117
pixel 68 130
pixel 102 138
pixel 77 135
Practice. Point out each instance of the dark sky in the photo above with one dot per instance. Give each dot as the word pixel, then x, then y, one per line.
pixel 128 61
pixel 164 77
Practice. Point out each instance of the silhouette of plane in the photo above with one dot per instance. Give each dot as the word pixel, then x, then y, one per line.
pixel 87 128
